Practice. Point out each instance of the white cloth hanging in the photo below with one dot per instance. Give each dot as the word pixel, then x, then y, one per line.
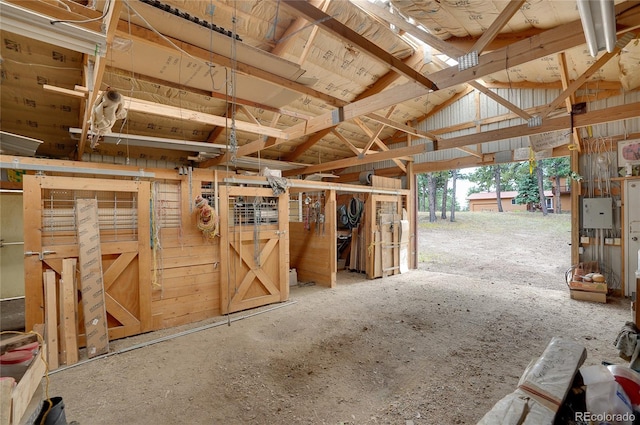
pixel 109 108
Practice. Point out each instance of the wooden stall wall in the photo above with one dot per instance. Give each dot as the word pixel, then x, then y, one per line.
pixel 312 245
pixel 185 263
pixel 159 269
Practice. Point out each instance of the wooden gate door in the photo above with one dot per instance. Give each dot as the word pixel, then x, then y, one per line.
pixel 50 237
pixel 254 247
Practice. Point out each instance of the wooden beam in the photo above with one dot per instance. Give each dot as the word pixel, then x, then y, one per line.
pixel 346 141
pixel 471 152
pixel 585 75
pixel 144 106
pixel 399 22
pixel 338 28
pixel 283 44
pixel 378 142
pixel 616 113
pixel 306 145
pixel 367 159
pixel 149 38
pixel 570 100
pixel 501 100
pixel 402 127
pixel 549 42
pixel 376 134
pixel 453 164
pixel 490 34
pixel 247 113
pixel 111 21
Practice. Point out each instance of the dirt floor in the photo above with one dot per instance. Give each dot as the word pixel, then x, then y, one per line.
pixel 438 345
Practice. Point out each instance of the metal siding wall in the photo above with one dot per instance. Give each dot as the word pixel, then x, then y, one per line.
pixel 524 99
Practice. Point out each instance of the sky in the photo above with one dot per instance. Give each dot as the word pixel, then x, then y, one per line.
pixel 462 187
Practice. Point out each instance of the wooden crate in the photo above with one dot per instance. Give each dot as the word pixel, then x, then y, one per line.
pixel 23 402
pixel 589 286
pixel 598 297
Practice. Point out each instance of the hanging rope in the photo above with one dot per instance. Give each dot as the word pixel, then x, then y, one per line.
pixel 208 220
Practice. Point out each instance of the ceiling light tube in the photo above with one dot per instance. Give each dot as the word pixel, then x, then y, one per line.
pixel 37 26
pixel 608 13
pixel 588 26
pixel 158 142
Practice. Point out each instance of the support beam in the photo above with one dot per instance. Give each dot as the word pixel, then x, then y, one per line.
pixel 336 27
pixel 549 42
pixel 144 106
pixel 111 21
pixel 490 34
pixel 585 75
pixel 149 38
pixel 378 142
pixel 570 100
pixel 367 159
pixel 616 113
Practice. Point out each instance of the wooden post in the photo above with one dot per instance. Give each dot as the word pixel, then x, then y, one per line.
pixel 32 212
pixel 51 318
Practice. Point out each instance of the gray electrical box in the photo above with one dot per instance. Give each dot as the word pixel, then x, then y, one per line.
pixel 597 213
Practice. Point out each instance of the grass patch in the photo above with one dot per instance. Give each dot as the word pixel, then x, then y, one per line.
pixel 494 222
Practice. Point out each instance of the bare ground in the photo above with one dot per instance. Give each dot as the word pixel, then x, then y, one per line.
pixel 438 345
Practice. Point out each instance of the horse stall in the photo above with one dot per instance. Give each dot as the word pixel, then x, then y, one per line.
pixel 170 247
pixel 113 251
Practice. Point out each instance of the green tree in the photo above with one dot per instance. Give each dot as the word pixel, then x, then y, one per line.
pixel 528 193
pixel 557 168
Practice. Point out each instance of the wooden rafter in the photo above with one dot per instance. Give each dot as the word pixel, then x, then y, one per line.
pixel 552 41
pixel 490 34
pixel 346 141
pixel 149 38
pixel 217 131
pixel 378 142
pixel 367 159
pixel 338 28
pixel 375 135
pixel 570 100
pixel 307 144
pixel 585 76
pixel 402 127
pixel 143 106
pixel 287 38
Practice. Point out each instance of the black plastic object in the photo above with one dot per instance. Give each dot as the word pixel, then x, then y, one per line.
pixel 52 412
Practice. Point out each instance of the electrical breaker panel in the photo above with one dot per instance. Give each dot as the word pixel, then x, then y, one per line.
pixel 597 213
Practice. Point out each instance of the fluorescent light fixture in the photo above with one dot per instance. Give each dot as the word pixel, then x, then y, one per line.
pixel 599 24
pixel 28 23
pixel 158 142
pixel 14 144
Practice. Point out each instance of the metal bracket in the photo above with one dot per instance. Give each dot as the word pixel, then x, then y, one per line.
pixel 39 254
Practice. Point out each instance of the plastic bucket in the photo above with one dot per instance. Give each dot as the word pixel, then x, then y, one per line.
pixel 52 412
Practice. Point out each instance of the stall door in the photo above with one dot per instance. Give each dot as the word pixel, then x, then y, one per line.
pixel 255 248
pixel 50 237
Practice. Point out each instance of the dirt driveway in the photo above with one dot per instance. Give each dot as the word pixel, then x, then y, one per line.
pixel 438 345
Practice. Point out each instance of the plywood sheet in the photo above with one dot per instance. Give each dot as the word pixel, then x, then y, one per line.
pixel 91 279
